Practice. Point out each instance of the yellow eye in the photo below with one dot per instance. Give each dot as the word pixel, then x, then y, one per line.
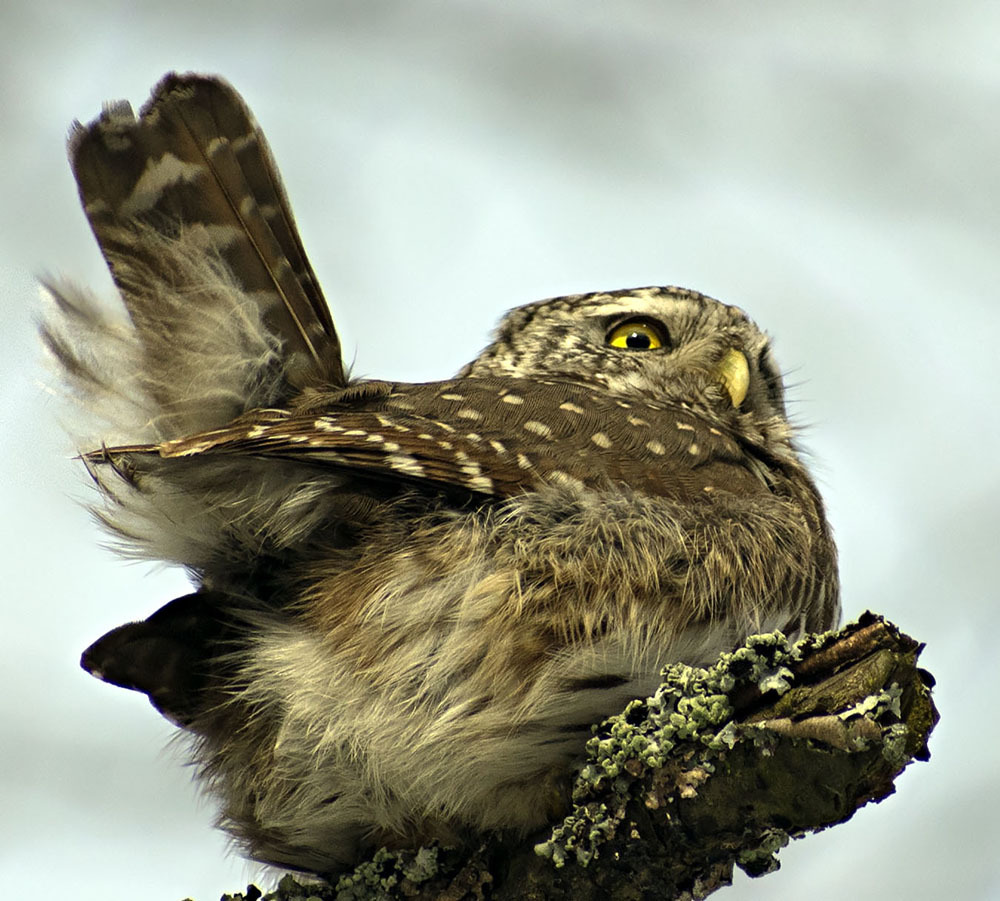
pixel 639 334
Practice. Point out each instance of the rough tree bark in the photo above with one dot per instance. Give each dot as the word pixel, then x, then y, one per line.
pixel 721 767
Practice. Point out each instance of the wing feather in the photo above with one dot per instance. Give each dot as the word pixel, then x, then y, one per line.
pixel 405 432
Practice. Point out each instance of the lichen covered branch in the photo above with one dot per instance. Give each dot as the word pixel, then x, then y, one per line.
pixel 719 768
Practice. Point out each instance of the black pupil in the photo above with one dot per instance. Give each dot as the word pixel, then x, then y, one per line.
pixel 638 340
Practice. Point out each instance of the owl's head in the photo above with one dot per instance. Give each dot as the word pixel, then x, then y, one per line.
pixel 656 344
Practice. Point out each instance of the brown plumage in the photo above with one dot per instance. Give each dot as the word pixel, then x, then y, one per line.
pixel 411 600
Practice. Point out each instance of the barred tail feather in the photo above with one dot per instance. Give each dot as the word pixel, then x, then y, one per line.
pixel 220 314
pixel 225 312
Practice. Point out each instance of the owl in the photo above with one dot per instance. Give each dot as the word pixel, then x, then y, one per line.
pixel 409 601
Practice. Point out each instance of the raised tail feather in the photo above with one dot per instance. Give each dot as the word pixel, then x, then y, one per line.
pixel 224 311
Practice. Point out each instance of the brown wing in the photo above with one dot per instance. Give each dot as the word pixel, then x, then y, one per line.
pixel 488 437
pixel 196 159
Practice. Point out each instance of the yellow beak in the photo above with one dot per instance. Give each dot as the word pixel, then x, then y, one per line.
pixel 733 373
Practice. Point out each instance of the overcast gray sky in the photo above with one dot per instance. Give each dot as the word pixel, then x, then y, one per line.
pixel 831 168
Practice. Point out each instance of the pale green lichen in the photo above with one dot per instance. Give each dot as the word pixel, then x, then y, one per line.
pixel 876 704
pixel 885 709
pixel 895 745
pixel 762 859
pixel 691 705
pixel 580 835
pixel 380 878
pixel 423 867
pixel 288 889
